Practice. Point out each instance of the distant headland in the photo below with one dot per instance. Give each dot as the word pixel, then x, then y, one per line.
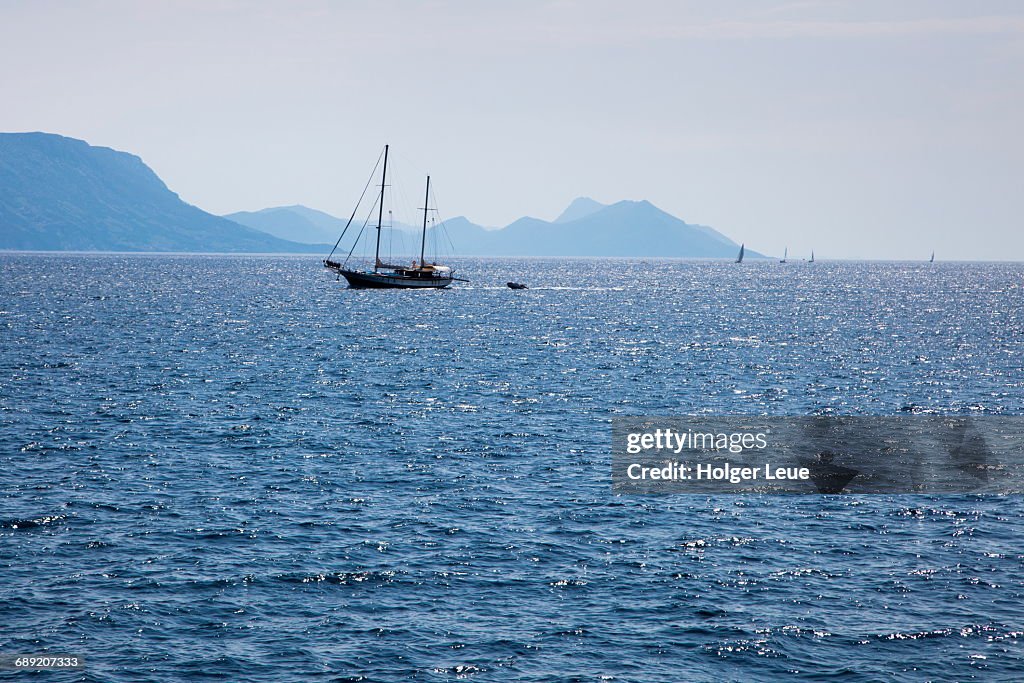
pixel 62 194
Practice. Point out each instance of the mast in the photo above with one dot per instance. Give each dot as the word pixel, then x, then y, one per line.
pixel 426 207
pixel 380 209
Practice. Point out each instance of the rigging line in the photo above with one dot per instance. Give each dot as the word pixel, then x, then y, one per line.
pixel 444 229
pixel 409 163
pixel 409 204
pixel 401 199
pixel 369 180
pixel 365 222
pixel 394 185
pixel 399 204
pixel 391 233
pixel 354 246
pixel 432 213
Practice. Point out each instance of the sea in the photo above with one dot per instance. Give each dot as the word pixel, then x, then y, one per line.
pixel 234 468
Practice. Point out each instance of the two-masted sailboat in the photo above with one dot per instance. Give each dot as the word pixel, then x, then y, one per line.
pixel 389 276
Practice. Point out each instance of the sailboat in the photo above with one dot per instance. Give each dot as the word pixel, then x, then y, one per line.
pixel 739 259
pixel 932 259
pixel 812 257
pixel 785 255
pixel 420 275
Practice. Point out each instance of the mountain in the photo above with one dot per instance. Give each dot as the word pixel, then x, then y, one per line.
pixel 301 223
pixel 59 194
pixel 626 228
pixel 585 228
pixel 297 223
pixel 580 207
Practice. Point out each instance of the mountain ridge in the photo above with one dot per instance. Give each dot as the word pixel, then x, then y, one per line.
pixel 586 228
pixel 62 194
pixel 579 208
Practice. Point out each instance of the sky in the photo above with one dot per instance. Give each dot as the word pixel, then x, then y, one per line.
pixel 857 129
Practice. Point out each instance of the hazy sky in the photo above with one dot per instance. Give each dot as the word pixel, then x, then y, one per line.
pixel 857 129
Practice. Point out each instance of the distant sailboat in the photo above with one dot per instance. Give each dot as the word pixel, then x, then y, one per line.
pixel 932 259
pixel 739 259
pixel 785 255
pixel 812 257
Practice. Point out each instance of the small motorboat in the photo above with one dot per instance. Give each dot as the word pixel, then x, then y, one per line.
pixel 516 285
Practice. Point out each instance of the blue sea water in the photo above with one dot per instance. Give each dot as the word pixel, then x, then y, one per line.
pixel 233 468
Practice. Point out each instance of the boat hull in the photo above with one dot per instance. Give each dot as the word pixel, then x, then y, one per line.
pixel 360 280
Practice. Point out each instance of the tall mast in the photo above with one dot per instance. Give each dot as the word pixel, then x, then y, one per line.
pixel 380 209
pixel 426 207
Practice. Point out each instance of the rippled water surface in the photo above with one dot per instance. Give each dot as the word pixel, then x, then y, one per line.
pixel 233 468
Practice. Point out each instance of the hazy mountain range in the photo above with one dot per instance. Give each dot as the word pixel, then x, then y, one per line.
pixel 58 193
pixel 585 228
pixel 297 223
